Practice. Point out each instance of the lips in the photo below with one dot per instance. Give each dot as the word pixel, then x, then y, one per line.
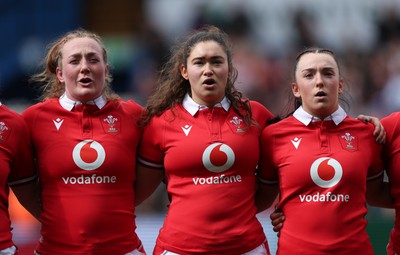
pixel 209 82
pixel 320 94
pixel 85 80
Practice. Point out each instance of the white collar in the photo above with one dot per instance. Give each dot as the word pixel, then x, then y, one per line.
pixel 68 104
pixel 301 115
pixel 192 107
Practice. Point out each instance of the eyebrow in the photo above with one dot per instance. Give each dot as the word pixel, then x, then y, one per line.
pixel 213 57
pixel 89 54
pixel 314 69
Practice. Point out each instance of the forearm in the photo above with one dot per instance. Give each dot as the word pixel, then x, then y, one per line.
pixel 378 194
pixel 147 181
pixel 28 195
pixel 265 196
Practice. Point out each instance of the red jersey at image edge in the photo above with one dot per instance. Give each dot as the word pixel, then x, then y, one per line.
pixel 391 156
pixel 16 164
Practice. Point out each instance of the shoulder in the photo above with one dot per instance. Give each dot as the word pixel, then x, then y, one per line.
pixel 48 103
pixel 358 128
pixel 285 122
pixel 258 107
pixel 43 109
pixel 128 105
pixel 13 128
pixel 354 123
pixel 132 104
pixel 391 120
pixel 282 126
pixel 127 108
pixel 391 125
pixel 260 112
pixel 11 117
pixel 166 117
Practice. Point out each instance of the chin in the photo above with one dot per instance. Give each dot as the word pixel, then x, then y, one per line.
pixel 89 97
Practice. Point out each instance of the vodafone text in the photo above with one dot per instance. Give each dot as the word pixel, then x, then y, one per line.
pixel 328 197
pixel 222 179
pixel 92 179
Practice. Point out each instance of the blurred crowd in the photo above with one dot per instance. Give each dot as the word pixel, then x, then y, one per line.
pixel 266 35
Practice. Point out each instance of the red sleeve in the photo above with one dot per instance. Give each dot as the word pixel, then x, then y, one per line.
pixel 391 124
pixel 260 113
pixel 267 171
pixel 150 151
pixel 21 166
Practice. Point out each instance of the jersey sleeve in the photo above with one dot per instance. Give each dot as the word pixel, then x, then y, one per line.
pixel 391 124
pixel 376 167
pixel 267 171
pixel 260 113
pixel 22 165
pixel 150 151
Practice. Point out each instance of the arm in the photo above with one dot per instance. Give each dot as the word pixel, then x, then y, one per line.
pixel 379 132
pixel 265 196
pixel 147 181
pixel 378 193
pixel 28 194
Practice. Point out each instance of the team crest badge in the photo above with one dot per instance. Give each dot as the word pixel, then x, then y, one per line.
pixel 348 141
pixel 237 125
pixel 111 124
pixel 4 130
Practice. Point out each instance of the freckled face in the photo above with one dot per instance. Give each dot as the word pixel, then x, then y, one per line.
pixel 207 71
pixel 82 70
pixel 318 84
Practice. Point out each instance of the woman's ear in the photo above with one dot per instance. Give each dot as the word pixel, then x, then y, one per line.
pixel 184 72
pixel 107 70
pixel 341 82
pixel 60 75
pixel 296 90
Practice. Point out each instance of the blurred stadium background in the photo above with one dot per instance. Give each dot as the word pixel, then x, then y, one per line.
pixel 266 33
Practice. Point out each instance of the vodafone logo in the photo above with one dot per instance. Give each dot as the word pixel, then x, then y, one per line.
pixel 218 157
pixel 88 155
pixel 326 172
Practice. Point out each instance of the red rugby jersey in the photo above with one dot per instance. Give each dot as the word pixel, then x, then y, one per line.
pixel 16 164
pixel 322 168
pixel 391 158
pixel 86 159
pixel 210 160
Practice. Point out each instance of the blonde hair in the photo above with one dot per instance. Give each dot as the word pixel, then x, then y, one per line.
pixel 47 80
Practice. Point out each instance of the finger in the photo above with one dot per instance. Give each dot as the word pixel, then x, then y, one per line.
pixel 278 227
pixel 275 215
pixel 364 118
pixel 276 222
pixel 381 139
pixel 379 132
